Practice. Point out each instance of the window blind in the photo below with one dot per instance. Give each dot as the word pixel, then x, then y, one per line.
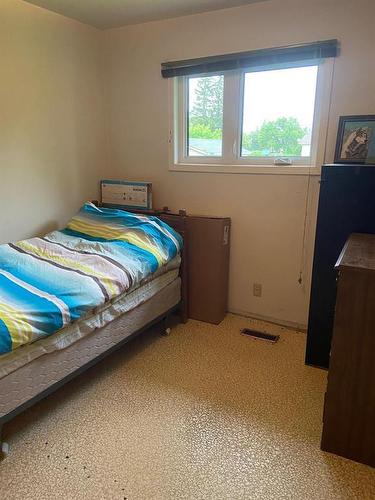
pixel 304 53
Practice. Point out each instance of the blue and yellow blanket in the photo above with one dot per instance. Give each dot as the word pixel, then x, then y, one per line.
pixel 46 283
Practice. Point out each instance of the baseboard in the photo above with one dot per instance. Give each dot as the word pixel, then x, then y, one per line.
pixel 290 324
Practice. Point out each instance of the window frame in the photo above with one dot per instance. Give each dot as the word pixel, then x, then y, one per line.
pixel 231 161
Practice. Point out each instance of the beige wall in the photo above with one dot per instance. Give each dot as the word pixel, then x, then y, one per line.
pixel 267 211
pixel 52 143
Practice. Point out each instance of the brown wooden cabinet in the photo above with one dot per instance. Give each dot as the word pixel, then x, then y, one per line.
pixel 349 409
pixel 208 257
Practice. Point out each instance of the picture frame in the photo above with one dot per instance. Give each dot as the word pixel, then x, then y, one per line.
pixel 355 140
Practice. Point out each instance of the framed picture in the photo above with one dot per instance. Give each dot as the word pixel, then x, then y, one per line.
pixel 355 138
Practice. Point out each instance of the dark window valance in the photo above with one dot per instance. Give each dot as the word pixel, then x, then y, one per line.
pixel 305 53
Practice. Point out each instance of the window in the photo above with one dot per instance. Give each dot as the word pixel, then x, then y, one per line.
pixel 278 113
pixel 248 117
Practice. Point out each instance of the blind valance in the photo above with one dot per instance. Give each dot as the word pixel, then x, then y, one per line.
pixel 304 53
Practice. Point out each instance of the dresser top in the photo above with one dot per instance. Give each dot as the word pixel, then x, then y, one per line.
pixel 358 253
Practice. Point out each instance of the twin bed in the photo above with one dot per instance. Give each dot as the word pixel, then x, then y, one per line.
pixel 69 299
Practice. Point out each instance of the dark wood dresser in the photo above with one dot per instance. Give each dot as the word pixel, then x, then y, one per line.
pixel 349 409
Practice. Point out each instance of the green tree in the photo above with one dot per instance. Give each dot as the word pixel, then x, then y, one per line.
pixel 200 131
pixel 278 137
pixel 208 108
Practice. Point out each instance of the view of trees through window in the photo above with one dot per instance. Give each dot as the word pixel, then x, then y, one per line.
pixel 278 111
pixel 280 137
pixel 206 96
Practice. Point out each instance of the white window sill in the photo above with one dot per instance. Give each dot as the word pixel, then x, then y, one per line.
pixel 246 169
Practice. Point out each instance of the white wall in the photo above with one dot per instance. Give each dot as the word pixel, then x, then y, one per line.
pixel 52 134
pixel 267 211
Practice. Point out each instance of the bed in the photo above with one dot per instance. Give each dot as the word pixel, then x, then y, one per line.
pixel 125 273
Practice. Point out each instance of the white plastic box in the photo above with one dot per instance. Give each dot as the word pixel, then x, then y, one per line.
pixel 126 194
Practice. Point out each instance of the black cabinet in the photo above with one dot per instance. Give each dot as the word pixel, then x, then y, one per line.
pixel 346 205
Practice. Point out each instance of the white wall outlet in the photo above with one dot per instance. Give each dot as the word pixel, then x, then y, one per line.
pixel 257 290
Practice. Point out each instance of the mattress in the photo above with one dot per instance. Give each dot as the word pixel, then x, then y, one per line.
pixel 48 282
pixel 96 319
pixel 29 380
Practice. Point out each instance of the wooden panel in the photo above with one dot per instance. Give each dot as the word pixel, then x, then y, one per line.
pixel 209 246
pixel 179 224
pixel 349 413
pixel 358 253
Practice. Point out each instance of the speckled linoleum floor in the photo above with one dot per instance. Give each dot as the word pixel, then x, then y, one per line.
pixel 205 413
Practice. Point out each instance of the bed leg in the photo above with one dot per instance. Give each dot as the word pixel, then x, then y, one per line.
pixel 4 447
pixel 183 315
pixel 183 311
pixel 166 326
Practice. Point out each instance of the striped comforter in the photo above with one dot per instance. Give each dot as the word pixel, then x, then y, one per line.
pixel 46 283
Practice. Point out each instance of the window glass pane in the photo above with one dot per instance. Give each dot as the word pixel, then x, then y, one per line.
pixel 278 112
pixel 205 116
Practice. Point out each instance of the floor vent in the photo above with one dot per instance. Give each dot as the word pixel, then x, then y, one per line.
pixel 260 335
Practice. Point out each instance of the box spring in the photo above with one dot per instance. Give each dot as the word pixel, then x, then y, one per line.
pixel 30 380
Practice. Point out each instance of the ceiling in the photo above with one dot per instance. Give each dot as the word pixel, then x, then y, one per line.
pixel 104 14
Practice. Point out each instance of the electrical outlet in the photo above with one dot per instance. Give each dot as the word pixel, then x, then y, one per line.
pixel 257 290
